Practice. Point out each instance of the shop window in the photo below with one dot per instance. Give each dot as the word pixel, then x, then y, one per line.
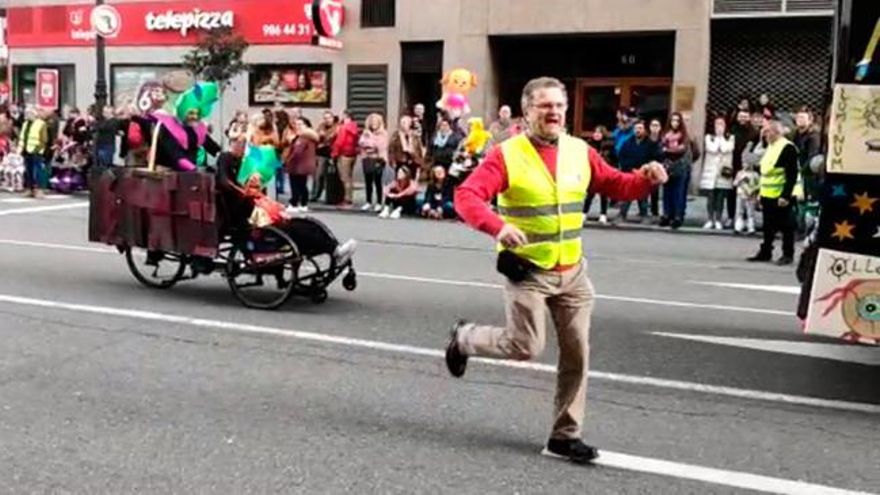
pixel 126 81
pixel 302 85
pixel 25 82
pixel 377 13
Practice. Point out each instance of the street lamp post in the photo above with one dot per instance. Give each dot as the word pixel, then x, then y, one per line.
pixel 101 80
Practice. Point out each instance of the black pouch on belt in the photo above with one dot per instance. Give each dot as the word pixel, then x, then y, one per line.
pixel 515 268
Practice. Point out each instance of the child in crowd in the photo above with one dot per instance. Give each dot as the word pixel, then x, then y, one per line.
pixel 400 195
pixel 437 203
pixel 748 184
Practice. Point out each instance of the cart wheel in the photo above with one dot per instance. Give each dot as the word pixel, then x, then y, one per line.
pixel 261 269
pixel 319 296
pixel 165 271
pixel 349 282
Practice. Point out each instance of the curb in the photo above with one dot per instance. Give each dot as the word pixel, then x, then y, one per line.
pixel 591 223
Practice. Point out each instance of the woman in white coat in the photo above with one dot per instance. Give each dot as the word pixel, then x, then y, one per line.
pixel 717 178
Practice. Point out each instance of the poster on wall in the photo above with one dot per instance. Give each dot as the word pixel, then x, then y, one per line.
pixel 845 301
pixel 126 81
pixel 305 85
pixel 854 136
pixel 47 88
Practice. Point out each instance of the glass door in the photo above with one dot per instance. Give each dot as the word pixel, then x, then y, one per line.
pixel 597 101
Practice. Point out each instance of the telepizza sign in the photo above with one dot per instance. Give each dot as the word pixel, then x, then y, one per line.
pixel 276 22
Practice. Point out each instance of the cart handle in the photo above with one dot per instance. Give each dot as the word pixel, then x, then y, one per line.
pixel 151 163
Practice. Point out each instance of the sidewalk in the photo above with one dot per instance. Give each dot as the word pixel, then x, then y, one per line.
pixel 696 215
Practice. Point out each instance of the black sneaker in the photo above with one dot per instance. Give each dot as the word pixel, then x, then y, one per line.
pixel 664 222
pixel 574 450
pixel 456 361
pixel 785 261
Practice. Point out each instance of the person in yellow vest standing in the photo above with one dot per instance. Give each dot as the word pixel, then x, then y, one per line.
pixel 33 142
pixel 779 175
pixel 541 179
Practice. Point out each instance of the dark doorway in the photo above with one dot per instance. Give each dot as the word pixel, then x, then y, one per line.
pixel 421 71
pixel 618 59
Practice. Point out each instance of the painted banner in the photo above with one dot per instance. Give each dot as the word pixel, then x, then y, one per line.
pixel 854 135
pixel 850 218
pixel 845 301
pixel 174 23
pixel 47 88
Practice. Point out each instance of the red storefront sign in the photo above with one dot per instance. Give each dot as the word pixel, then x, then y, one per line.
pixel 276 22
pixel 47 88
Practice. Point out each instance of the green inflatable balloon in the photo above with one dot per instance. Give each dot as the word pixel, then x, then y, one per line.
pixel 261 160
pixel 201 97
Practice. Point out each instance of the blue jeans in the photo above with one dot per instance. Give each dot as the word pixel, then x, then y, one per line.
pixel 643 208
pixel 34 173
pixel 280 176
pixel 675 197
pixel 104 156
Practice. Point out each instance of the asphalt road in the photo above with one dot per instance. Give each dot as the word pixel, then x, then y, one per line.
pixel 109 387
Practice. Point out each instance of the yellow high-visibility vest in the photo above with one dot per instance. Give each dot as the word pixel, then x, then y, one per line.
pixel 549 210
pixel 772 177
pixel 31 142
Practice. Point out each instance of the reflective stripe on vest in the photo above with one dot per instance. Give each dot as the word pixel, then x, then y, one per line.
pixel 773 177
pixel 549 210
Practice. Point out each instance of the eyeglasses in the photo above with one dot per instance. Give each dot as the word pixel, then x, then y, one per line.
pixel 546 107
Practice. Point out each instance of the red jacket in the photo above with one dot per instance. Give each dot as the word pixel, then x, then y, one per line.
pixel 346 143
pixel 490 179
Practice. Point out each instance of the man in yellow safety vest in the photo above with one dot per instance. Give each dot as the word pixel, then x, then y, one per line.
pixel 541 179
pixel 779 175
pixel 33 143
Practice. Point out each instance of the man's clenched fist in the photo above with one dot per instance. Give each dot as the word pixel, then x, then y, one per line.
pixel 512 237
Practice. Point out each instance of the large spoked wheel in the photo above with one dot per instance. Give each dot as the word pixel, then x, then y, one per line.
pixel 262 269
pixel 156 269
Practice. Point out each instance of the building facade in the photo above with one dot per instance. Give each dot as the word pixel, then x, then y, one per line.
pixel 652 54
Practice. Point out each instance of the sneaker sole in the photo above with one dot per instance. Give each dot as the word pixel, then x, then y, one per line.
pixel 452 338
pixel 552 455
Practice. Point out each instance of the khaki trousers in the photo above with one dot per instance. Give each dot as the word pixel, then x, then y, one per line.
pixel 569 297
pixel 346 175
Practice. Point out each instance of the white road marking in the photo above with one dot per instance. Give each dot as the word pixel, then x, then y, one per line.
pixel 459 283
pixel 63 247
pixel 437 353
pixel 781 289
pixel 846 353
pixel 41 209
pixel 723 477
pixel 18 200
pixel 608 459
pixel 638 300
pixel 56 196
